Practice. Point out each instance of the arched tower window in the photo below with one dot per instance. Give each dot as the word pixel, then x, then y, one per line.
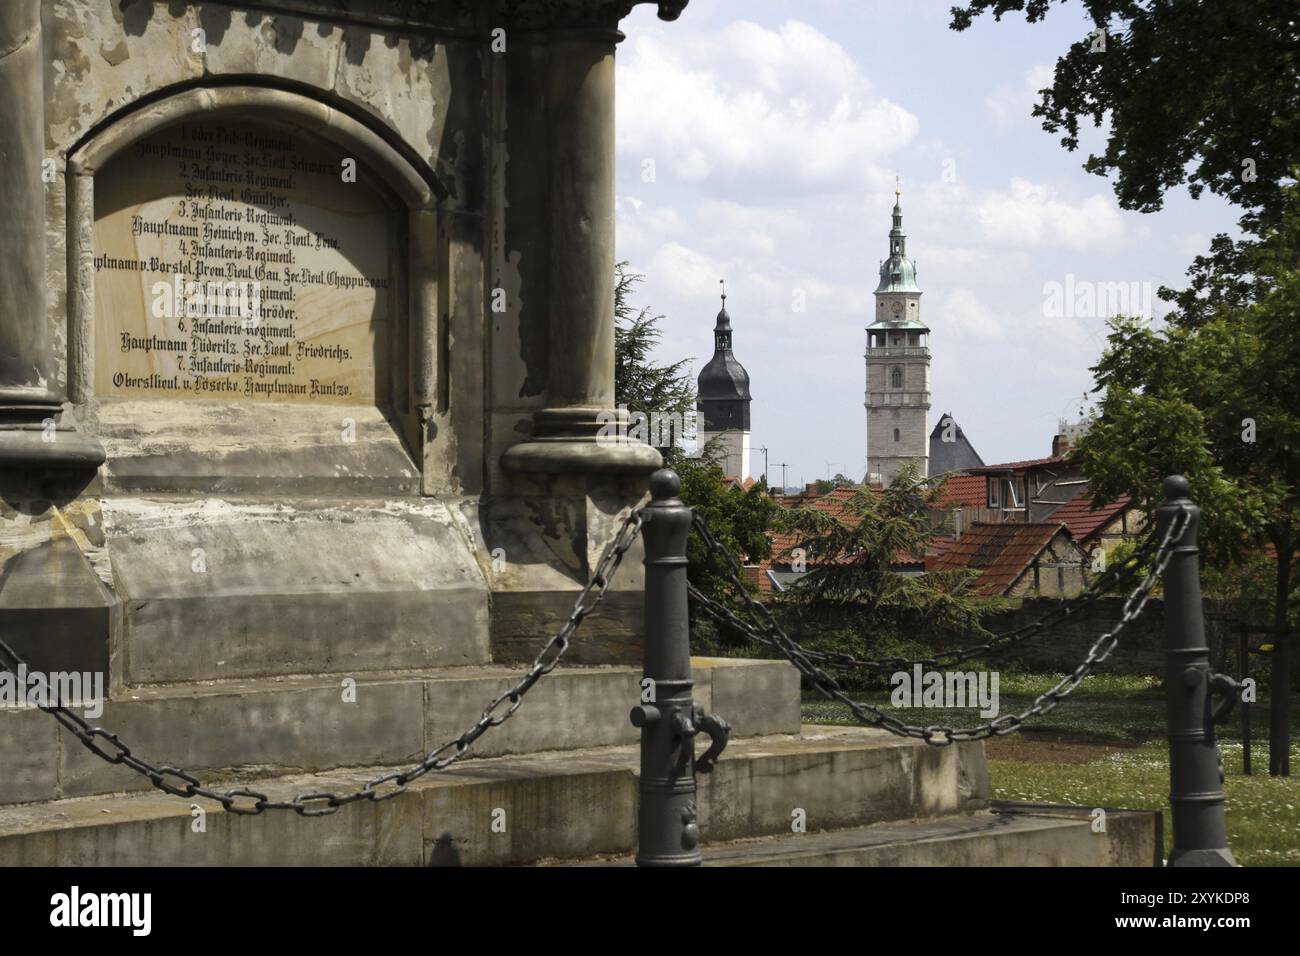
pixel 896 377
pixel 895 434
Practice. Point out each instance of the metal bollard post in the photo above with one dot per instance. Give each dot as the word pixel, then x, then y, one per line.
pixel 669 718
pixel 1195 765
pixel 1243 665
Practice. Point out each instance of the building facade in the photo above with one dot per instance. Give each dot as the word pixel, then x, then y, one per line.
pixel 898 367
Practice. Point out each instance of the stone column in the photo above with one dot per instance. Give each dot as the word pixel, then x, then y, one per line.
pixel 30 401
pixel 576 78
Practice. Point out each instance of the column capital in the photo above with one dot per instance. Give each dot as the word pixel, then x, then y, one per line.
pixel 577 14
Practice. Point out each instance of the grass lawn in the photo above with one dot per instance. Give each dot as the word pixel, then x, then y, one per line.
pixel 1105 746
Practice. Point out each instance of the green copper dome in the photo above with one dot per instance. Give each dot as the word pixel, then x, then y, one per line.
pixel 897 274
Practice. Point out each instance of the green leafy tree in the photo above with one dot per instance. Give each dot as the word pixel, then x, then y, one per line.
pixel 853 599
pixel 663 391
pixel 739 517
pixel 1213 396
pixel 825 486
pixel 1202 92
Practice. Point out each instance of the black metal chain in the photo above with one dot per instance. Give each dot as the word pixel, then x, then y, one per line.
pixel 244 800
pixel 1119 574
pixel 773 635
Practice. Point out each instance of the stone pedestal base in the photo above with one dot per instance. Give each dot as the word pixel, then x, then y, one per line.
pixel 571 456
pixel 581 440
pixel 38 449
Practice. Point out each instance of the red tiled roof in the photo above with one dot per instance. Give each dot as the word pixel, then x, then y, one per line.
pixel 807 499
pixel 782 543
pixel 834 503
pixel 1001 552
pixel 791 501
pixel 969 490
pixel 1078 514
pixel 936 547
pixel 1017 465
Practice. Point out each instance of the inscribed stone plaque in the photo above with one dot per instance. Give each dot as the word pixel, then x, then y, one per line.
pixel 237 262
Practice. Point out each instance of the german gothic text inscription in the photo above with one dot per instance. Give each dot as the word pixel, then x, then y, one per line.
pixel 240 263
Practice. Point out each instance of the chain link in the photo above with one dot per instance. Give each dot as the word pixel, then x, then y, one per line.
pixel 769 633
pixel 244 800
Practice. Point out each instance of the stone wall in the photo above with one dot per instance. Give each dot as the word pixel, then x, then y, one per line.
pixel 1064 646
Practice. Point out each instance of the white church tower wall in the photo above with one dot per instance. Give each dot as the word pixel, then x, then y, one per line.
pixel 897 367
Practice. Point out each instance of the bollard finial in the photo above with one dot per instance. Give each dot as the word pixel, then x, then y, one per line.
pixel 665 483
pixel 1176 486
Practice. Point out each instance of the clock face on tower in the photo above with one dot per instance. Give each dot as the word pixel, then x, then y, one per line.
pixel 897 307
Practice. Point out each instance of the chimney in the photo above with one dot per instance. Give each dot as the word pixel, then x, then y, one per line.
pixel 956 524
pixel 1061 440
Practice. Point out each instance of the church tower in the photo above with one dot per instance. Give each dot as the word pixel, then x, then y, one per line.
pixel 723 400
pixel 898 366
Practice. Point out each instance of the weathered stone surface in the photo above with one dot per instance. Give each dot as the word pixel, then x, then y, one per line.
pixel 582 707
pixel 538 552
pixel 218 589
pixel 54 611
pixel 152 47
pixel 286 725
pixel 984 839
pixel 272 452
pixel 520 815
pixel 26 359
pixel 308 728
pixel 154 829
pixel 755 697
pixel 30 751
pixel 838 778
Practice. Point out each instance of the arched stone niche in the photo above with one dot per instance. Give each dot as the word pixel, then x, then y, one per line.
pixel 242 308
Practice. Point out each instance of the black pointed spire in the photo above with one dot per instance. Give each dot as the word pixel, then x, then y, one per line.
pixel 723 385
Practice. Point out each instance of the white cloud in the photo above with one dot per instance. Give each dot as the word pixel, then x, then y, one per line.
pixel 1010 104
pixel 686 273
pixel 962 311
pixel 979 265
pixel 786 106
pixel 1031 215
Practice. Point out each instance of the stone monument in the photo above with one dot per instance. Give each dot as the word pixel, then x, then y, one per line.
pixel 306 323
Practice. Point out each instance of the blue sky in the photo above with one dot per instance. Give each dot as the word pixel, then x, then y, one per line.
pixel 773 132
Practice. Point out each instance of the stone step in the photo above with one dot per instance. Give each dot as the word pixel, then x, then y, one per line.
pixel 1005 835
pixel 553 806
pixel 291 725
pixel 1008 834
